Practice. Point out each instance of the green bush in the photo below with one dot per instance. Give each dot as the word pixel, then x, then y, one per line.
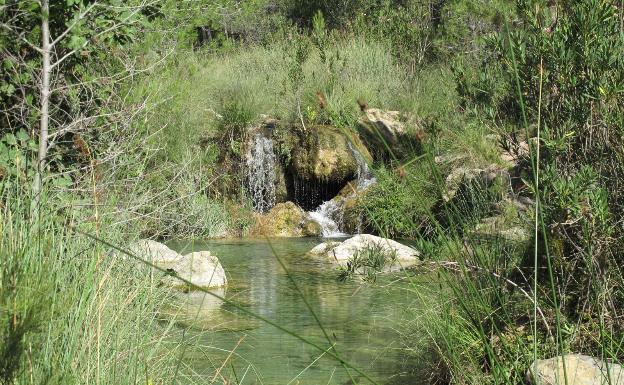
pixel 566 62
pixel 399 204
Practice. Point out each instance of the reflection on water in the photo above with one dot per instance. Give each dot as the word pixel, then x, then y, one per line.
pixel 360 319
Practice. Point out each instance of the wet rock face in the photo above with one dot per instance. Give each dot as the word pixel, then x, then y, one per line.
pixel 579 370
pixel 322 161
pixel 285 220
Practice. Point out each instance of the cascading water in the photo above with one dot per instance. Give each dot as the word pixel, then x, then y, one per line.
pixel 329 216
pixel 364 175
pixel 330 213
pixel 261 166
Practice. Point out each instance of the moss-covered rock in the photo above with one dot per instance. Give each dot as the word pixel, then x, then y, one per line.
pixel 326 153
pixel 285 220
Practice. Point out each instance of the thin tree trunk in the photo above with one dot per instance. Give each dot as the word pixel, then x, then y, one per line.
pixel 45 103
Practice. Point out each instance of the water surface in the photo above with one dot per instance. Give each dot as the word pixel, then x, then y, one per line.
pixel 361 319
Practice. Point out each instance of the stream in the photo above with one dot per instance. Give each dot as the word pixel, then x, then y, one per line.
pixel 363 320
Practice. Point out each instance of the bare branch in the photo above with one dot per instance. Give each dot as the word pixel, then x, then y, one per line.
pixel 75 23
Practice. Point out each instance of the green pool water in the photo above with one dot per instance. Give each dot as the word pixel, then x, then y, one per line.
pixel 364 321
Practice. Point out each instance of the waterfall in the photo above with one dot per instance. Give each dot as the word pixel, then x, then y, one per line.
pixel 329 216
pixel 364 176
pixel 261 165
pixel 330 213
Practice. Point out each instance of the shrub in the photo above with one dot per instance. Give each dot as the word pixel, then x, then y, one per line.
pixel 399 205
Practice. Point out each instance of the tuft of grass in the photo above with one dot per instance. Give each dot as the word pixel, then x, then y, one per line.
pixel 367 263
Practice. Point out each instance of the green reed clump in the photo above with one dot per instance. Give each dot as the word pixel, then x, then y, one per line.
pixel 367 263
pixel 72 310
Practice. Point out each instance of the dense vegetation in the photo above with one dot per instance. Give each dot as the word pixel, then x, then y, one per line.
pixel 145 126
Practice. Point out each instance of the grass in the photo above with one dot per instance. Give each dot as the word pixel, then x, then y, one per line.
pixel 367 263
pixel 72 312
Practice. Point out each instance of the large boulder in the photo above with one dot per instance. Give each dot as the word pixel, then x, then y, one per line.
pixel 285 220
pixel 344 252
pixel 325 153
pixel 201 268
pixel 155 252
pixel 579 370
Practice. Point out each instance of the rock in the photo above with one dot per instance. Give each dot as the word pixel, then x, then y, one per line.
pixel 200 268
pixel 323 248
pixel 349 201
pixel 343 252
pixel 155 252
pixel 475 190
pixel 324 153
pixel 464 178
pixel 382 129
pixel 499 228
pixel 579 370
pixel 285 220
pixel 455 179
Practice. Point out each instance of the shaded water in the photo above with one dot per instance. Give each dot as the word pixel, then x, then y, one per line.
pixel 361 320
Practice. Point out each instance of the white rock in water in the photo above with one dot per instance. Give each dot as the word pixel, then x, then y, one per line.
pixel 200 268
pixel 323 248
pixel 579 370
pixel 345 251
pixel 156 253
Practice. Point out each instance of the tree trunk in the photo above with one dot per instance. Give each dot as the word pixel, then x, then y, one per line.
pixel 45 103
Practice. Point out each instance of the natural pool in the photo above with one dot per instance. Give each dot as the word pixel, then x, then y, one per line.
pixel 362 320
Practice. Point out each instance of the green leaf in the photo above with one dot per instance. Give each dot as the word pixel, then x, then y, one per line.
pixel 22 136
pixel 10 139
pixel 8 89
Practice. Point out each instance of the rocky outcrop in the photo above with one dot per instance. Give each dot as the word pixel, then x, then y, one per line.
pixel 343 252
pixel 461 179
pixel 348 200
pixel 200 268
pixel 285 220
pixel 579 370
pixel 384 132
pixel 307 166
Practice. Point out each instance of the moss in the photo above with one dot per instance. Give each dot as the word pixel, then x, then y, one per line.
pixel 323 153
pixel 285 220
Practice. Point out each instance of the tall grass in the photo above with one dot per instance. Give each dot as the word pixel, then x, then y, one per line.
pixel 195 89
pixel 71 311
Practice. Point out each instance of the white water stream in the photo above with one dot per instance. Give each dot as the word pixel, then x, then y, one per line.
pixel 330 214
pixel 261 164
